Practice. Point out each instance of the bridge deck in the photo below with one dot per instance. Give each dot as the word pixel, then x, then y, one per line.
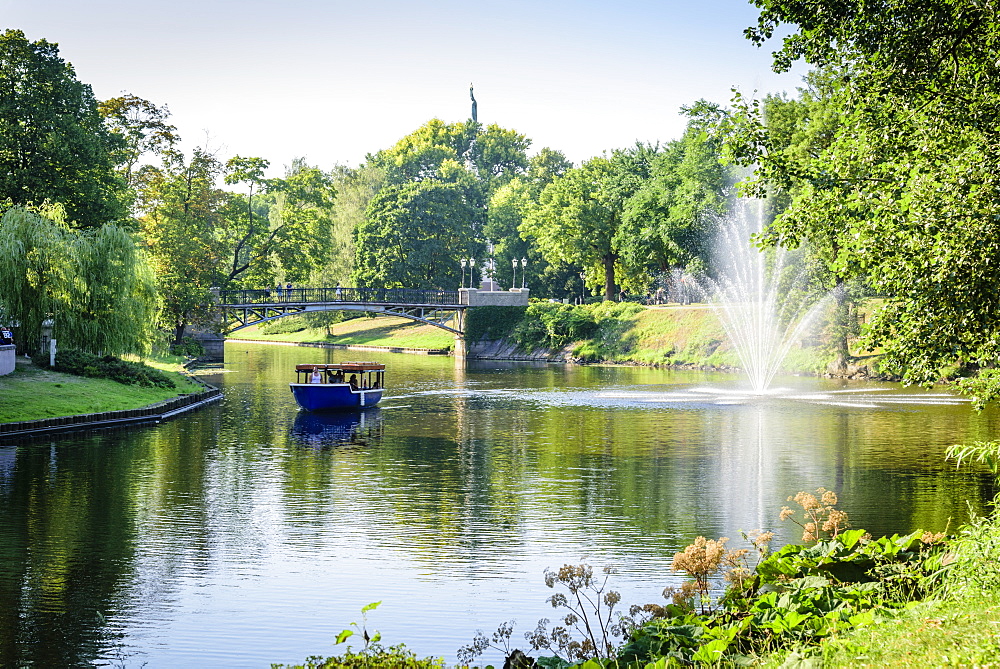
pixel 329 296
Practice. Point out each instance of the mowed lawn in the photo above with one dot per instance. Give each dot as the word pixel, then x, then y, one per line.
pixel 30 393
pixel 379 331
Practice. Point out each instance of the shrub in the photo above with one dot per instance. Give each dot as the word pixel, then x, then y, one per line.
pixel 106 367
pixel 374 657
pixel 553 325
pixel 492 322
pixel 189 348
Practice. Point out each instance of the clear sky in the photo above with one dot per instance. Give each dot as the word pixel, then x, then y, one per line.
pixel 332 80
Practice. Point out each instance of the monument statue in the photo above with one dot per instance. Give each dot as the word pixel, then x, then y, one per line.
pixel 473 97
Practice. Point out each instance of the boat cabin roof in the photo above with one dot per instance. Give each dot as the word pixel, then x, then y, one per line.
pixel 343 366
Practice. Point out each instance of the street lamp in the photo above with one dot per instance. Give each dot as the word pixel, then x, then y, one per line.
pixel 472 274
pixel 513 280
pixel 463 262
pixel 583 287
pixel 524 276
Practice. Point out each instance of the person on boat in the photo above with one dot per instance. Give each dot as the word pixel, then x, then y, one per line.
pixel 338 377
pixel 316 376
pixel 353 381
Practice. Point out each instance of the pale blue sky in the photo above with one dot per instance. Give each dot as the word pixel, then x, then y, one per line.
pixel 334 80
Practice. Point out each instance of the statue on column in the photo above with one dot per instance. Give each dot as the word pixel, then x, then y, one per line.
pixel 475 119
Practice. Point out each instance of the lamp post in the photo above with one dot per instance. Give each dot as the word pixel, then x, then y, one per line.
pixel 472 274
pixel 513 279
pixel 583 286
pixel 463 262
pixel 524 269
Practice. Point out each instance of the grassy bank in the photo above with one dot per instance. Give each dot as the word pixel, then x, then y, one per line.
pixel 627 333
pixel 30 393
pixel 379 331
pixel 606 332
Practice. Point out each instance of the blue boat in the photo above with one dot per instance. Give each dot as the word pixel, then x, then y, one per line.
pixel 337 386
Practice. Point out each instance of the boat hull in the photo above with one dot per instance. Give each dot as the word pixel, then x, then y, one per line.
pixel 333 396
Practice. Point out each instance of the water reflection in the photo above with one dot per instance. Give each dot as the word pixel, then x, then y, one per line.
pixel 251 532
pixel 340 428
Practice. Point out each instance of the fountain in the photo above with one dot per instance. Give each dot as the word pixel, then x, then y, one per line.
pixel 760 299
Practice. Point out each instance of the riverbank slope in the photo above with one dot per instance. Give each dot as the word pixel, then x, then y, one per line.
pixel 32 393
pixel 678 336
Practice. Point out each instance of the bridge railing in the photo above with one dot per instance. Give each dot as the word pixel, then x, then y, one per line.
pixel 338 294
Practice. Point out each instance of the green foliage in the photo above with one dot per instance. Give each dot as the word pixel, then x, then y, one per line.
pixel 184 209
pixel 189 347
pixel 95 284
pixel 670 220
pixel 552 325
pixel 140 126
pixel 492 323
pixel 579 215
pixel 892 166
pixel 413 235
pixel 54 146
pixel 797 595
pixel 374 657
pixel 82 363
pixel 609 339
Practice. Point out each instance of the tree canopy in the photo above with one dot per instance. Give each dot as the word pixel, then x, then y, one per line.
pixel 902 173
pixel 54 145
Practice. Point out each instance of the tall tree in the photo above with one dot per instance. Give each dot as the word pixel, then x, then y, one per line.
pixel 303 200
pixel 579 216
pixel 250 240
pixel 909 184
pixel 53 143
pixel 412 236
pixel 182 208
pixel 508 207
pixel 141 128
pixel 114 302
pixel 669 222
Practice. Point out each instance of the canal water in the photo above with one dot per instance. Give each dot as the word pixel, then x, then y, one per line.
pixel 249 533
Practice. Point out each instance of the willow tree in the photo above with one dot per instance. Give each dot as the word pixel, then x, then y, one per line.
pixel 114 302
pixel 36 271
pixel 96 286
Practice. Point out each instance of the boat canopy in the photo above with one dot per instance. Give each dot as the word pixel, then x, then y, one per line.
pixel 342 366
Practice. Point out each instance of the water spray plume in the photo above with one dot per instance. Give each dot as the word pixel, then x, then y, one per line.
pixel 763 311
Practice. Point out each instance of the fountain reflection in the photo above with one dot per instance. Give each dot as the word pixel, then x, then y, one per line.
pixel 343 428
pixel 856 398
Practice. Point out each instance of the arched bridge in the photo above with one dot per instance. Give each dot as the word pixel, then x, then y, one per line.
pixel 441 308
